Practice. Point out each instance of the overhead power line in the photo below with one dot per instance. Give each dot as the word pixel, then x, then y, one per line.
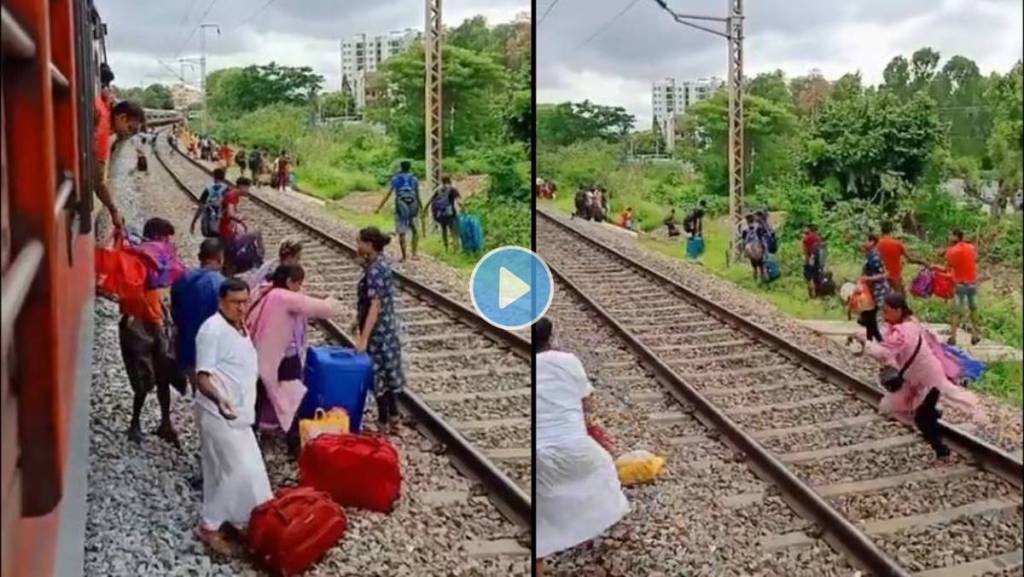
pixel 256 13
pixel 548 11
pixel 607 25
pixel 195 29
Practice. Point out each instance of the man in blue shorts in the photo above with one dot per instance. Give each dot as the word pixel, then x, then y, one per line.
pixel 407 205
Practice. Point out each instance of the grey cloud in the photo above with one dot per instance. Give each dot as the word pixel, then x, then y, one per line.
pixel 645 44
pixel 152 29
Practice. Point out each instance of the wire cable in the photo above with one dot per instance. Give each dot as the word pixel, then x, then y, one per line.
pixel 192 35
pixel 607 25
pixel 548 11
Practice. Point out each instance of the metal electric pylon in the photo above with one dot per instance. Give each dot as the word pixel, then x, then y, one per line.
pixel 736 166
pixel 432 101
pixel 734 35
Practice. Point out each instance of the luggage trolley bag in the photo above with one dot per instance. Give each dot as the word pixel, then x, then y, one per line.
pixel 356 470
pixel 292 531
pixel 337 377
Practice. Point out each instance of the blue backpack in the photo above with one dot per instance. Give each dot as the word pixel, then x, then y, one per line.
pixel 471 234
pixel 210 220
pixel 407 202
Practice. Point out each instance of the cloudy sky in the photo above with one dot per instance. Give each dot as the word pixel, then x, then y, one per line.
pixel 292 32
pixel 618 65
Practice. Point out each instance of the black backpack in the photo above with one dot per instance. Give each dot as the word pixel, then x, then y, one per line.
pixel 690 224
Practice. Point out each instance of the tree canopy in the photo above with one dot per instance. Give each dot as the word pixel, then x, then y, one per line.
pixel 155 96
pixel 571 122
pixel 232 92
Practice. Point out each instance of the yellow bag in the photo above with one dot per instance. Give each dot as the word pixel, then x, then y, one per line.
pixel 639 467
pixel 333 421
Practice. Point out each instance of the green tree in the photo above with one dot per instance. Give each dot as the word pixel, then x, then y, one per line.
pixel 769 128
pixel 897 76
pixel 474 92
pixel 849 86
pixel 858 140
pixel 339 103
pixel 568 122
pixel 158 96
pixel 771 86
pixel 923 65
pixel 235 91
pixel 810 93
pixel 1004 144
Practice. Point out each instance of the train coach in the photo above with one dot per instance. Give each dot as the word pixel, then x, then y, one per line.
pixel 52 51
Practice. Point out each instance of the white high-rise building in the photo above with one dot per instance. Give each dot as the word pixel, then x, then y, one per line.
pixel 362 55
pixel 671 97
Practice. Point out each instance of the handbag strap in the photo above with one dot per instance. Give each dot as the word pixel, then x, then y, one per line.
pixel 910 361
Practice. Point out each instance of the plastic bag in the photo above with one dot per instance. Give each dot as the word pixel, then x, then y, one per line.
pixel 639 467
pixel 334 421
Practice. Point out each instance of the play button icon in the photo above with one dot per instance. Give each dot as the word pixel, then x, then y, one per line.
pixel 511 287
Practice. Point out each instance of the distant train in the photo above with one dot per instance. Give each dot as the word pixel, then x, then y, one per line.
pixel 52 51
pixel 156 118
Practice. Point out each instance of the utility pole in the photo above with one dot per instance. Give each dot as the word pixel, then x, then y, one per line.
pixel 433 106
pixel 734 35
pixel 190 62
pixel 202 68
pixel 736 165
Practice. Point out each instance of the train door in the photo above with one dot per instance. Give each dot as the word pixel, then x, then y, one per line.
pixel 46 267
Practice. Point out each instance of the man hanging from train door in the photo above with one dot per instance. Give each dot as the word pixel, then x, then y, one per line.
pixel 123 120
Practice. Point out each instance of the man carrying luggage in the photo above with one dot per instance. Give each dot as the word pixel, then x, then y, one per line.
pixel 146 350
pixel 444 208
pixel 234 476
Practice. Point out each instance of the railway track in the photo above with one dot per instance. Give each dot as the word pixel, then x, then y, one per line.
pixel 468 383
pixel 808 429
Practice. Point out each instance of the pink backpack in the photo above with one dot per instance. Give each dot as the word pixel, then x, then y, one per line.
pixel 162 264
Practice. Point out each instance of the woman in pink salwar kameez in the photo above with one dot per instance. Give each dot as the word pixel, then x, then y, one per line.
pixel 277 322
pixel 925 380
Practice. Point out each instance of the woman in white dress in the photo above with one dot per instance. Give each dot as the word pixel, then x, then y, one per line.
pixel 578 491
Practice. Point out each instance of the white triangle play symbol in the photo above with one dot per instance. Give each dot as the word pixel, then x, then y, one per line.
pixel 510 288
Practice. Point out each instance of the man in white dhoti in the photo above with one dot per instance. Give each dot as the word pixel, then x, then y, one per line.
pixel 234 477
pixel 578 491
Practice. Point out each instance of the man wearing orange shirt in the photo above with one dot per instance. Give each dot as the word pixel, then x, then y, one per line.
pixel 893 252
pixel 962 263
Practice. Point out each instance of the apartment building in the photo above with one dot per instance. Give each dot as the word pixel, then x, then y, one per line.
pixel 671 97
pixel 362 55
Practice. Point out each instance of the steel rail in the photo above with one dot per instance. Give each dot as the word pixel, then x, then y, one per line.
pixel 987 456
pixel 518 344
pixel 506 495
pixel 837 529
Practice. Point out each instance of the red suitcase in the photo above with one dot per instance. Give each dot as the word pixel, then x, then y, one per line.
pixel 356 470
pixel 292 531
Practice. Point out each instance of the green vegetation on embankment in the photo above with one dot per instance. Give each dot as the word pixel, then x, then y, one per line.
pixel 488 119
pixel 847 157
